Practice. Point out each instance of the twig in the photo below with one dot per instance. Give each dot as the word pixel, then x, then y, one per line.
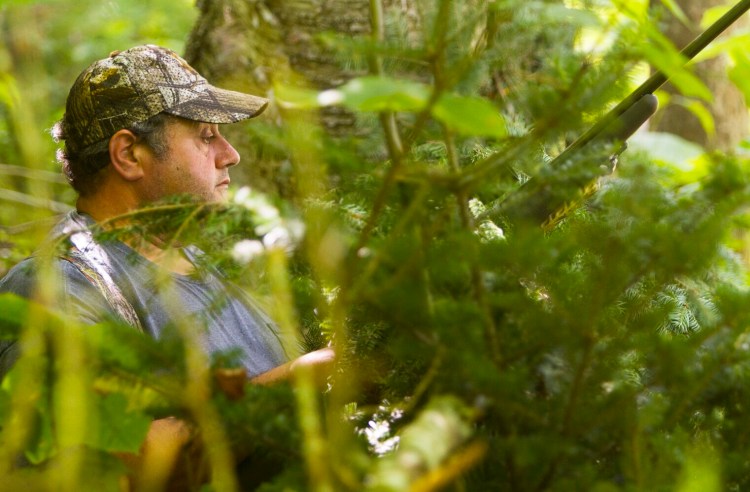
pixel 32 201
pixel 35 174
pixel 441 28
pixel 390 129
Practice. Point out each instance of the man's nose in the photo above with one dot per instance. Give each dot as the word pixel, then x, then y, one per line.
pixel 227 156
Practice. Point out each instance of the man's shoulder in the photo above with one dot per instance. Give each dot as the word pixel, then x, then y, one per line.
pixel 23 277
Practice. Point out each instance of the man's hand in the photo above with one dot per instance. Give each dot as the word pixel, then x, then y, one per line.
pixel 161 457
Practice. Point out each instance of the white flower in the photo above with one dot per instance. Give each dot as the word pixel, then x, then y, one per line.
pixel 278 237
pixel 330 97
pixel 265 210
pixel 489 231
pixel 244 251
pixel 256 202
pixel 266 214
pixel 242 194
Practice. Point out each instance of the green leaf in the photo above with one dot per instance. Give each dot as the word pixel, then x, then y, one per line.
pixel 701 112
pixel 4 404
pixel 13 313
pixel 701 472
pixel 9 94
pixel 384 94
pixel 713 14
pixel 740 73
pixel 733 45
pixel 119 427
pixel 470 116
pixel 676 11
pixel 43 445
pixel 297 97
pixel 680 154
pixel 98 471
pixel 547 12
pixel 672 64
pixel 120 349
pixel 113 344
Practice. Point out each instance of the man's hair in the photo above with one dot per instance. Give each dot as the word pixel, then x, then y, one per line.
pixel 84 170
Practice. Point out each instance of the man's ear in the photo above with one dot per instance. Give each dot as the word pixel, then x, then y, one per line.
pixel 124 155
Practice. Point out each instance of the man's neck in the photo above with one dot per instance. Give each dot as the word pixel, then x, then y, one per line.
pixel 106 212
pixel 173 259
pixel 104 208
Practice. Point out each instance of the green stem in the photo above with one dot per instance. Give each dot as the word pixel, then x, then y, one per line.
pixel 174 239
pixel 565 429
pixel 396 233
pixel 467 222
pixel 390 129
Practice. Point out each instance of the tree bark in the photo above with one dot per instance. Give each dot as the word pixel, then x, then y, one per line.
pixel 253 45
pixel 728 108
pixel 250 45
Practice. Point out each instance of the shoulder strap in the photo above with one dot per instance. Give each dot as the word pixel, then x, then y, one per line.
pixel 93 262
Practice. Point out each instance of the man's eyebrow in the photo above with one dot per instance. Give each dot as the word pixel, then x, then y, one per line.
pixel 201 124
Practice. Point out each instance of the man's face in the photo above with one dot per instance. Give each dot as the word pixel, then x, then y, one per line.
pixel 197 163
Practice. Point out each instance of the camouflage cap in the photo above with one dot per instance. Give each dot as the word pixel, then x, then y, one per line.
pixel 133 85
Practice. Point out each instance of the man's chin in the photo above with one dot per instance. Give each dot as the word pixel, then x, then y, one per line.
pixel 221 194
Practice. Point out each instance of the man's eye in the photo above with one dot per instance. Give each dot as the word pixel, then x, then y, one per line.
pixel 208 138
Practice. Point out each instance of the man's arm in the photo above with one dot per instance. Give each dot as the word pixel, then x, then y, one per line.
pixel 167 442
pixel 318 362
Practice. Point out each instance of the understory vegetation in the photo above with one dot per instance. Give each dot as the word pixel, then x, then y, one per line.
pixel 480 345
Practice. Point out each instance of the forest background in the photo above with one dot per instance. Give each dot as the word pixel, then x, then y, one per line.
pixel 391 204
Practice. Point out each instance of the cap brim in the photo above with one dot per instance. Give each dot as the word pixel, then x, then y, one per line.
pixel 216 105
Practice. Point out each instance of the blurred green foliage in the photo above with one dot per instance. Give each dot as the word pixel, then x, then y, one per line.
pixel 44 47
pixel 476 351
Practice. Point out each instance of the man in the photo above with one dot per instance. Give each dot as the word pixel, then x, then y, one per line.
pixel 142 125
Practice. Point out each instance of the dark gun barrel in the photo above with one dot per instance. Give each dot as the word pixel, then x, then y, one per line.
pixel 537 201
pixel 625 125
pixel 658 78
pixel 544 199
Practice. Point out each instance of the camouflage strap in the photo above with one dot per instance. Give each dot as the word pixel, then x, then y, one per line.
pixel 93 262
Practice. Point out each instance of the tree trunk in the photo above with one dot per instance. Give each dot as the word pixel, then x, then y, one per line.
pixel 728 107
pixel 252 45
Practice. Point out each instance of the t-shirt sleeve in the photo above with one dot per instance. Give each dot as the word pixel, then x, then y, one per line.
pixel 76 297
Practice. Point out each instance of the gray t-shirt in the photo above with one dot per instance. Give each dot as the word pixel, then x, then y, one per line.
pixel 224 316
